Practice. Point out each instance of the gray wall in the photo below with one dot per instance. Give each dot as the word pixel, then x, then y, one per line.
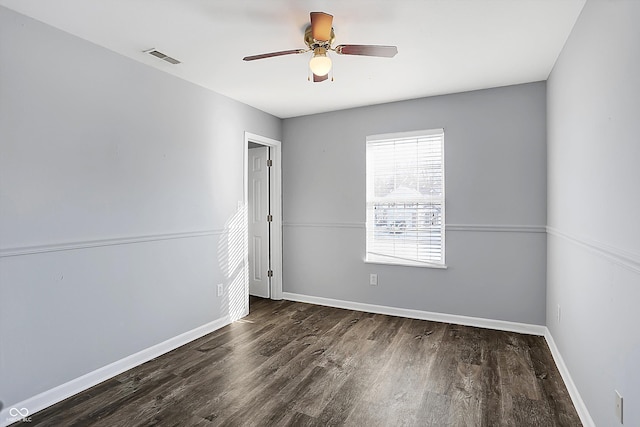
pixel 98 149
pixel 594 206
pixel 495 165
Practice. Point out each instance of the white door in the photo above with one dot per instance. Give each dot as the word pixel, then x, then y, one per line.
pixel 259 282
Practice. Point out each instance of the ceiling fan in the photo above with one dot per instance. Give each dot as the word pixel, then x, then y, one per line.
pixel 318 37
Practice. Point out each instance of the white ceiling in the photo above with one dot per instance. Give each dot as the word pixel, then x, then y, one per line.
pixel 444 46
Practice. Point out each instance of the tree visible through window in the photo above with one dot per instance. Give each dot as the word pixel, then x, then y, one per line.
pixel 405 198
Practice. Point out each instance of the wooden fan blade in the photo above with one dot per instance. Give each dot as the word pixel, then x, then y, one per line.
pixel 321 26
pixel 272 54
pixel 367 50
pixel 317 78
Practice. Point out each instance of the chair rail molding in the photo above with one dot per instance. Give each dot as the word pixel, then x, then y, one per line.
pixel 84 244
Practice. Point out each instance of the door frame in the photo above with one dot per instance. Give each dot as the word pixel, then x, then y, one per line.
pixel 275 290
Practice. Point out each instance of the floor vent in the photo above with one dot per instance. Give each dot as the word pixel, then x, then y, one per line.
pixel 162 56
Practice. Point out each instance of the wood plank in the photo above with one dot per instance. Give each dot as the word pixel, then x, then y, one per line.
pixel 300 364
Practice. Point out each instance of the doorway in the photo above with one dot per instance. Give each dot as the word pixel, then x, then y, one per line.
pixel 263 201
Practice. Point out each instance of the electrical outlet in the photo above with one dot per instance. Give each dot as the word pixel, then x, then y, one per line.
pixel 220 289
pixel 619 406
pixel 373 279
pixel 559 313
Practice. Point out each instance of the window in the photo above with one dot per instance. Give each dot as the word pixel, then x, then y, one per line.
pixel 405 198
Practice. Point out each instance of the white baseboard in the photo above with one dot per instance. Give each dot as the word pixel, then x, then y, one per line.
pixel 75 386
pixel 579 404
pixel 501 325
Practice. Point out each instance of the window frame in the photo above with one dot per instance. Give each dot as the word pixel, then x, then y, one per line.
pixel 371 258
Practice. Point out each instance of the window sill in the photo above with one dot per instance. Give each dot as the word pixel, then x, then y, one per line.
pixel 404 263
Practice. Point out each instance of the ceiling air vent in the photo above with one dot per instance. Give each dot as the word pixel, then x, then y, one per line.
pixel 162 56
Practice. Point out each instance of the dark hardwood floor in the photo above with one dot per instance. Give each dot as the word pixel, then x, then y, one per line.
pixel 304 365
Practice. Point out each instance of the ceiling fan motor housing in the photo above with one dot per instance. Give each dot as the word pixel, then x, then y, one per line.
pixel 313 43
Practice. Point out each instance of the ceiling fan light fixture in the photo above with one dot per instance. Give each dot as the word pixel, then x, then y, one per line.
pixel 319 37
pixel 320 63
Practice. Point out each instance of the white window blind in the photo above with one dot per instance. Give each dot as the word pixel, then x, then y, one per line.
pixel 405 198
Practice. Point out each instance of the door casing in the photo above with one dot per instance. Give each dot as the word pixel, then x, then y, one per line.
pixel 276 208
